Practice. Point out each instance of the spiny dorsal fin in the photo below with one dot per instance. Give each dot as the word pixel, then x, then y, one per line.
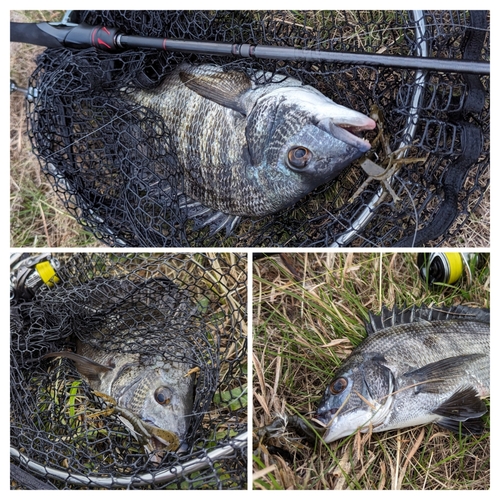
pixel 418 314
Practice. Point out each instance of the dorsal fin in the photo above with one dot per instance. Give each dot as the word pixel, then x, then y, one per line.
pixel 418 314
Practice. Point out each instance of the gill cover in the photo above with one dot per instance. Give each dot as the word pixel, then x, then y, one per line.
pixel 356 399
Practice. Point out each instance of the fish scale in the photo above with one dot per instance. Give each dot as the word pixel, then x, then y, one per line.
pixel 233 139
pixel 199 141
pixel 435 362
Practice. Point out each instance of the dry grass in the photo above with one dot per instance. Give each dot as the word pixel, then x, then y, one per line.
pixel 308 314
pixel 38 218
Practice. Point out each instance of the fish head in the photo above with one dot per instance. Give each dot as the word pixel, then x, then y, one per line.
pixel 357 398
pixel 162 397
pixel 298 139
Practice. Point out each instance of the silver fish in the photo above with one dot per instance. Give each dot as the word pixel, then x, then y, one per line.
pixel 129 366
pixel 250 149
pixel 415 367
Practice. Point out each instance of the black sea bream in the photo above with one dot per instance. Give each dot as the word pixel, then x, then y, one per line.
pixel 249 149
pixel 416 366
pixel 129 353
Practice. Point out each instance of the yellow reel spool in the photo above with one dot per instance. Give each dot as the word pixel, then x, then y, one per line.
pixel 47 273
pixel 441 267
pixel 455 266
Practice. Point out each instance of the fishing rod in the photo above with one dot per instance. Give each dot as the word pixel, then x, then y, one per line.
pixel 82 36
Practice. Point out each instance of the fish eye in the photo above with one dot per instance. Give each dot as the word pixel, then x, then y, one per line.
pixel 163 395
pixel 299 157
pixel 338 385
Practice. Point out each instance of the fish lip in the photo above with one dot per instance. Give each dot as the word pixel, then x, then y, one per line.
pixel 347 133
pixel 159 444
pixel 183 448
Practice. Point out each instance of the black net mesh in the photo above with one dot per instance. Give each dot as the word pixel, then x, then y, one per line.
pixel 114 166
pixel 187 310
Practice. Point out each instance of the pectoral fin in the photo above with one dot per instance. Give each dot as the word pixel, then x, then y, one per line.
pixel 224 88
pixel 429 378
pixel 85 366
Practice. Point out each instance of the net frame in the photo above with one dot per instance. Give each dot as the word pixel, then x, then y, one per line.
pixel 438 196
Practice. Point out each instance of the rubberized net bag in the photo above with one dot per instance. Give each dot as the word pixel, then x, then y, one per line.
pixel 96 125
pixel 129 371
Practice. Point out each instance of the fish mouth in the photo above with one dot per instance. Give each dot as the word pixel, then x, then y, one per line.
pixel 326 417
pixel 160 444
pixel 162 439
pixel 349 132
